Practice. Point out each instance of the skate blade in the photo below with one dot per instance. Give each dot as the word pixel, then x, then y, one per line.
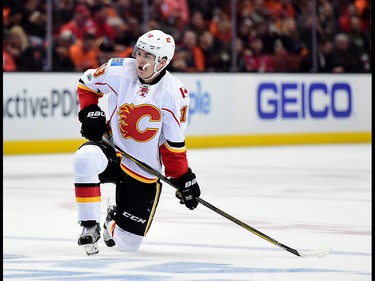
pixel 91 249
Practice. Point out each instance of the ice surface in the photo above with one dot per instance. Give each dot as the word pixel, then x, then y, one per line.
pixel 303 196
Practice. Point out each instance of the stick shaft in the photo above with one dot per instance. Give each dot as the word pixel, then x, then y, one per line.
pixel 203 202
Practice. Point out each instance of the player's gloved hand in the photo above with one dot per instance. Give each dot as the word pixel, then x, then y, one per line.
pixel 188 189
pixel 93 122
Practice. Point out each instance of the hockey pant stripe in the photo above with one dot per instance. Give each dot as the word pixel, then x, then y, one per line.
pixel 111 229
pixel 153 210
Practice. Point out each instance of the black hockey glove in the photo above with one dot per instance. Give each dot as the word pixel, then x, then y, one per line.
pixel 93 122
pixel 188 189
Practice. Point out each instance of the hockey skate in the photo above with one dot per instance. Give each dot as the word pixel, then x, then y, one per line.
pixel 107 237
pixel 89 238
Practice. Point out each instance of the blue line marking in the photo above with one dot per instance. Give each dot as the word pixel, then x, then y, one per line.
pixel 155 273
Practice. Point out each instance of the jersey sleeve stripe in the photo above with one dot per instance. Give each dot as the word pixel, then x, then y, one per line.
pixel 83 87
pixel 175 147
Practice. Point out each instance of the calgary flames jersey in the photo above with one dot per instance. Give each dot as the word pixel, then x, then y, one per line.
pixel 147 121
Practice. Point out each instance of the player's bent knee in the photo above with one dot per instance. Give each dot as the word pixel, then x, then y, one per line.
pixel 89 160
pixel 127 241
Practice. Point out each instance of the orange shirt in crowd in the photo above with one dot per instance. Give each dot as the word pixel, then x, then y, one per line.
pixel 84 60
pixel 199 59
pixel 8 62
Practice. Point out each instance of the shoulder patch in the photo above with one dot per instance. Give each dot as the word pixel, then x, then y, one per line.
pixel 117 62
pixel 184 92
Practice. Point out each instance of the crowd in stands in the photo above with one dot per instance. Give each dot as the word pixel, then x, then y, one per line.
pixel 271 35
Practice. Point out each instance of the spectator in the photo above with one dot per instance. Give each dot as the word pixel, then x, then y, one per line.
pixel 245 29
pixel 344 59
pixel 189 57
pixel 220 26
pixel 365 15
pixel 101 27
pixel 254 58
pixel 175 13
pixel 361 5
pixel 6 12
pixel 108 49
pixel 80 23
pixel 327 21
pixel 360 42
pixel 212 50
pixel 289 36
pixel 240 49
pixel 27 57
pixel 269 35
pixel 198 23
pixel 305 31
pixel 84 53
pixel 8 61
pixel 61 52
pixel 131 33
pixel 260 13
pixel 13 18
pixel 358 38
pixel 323 59
pixel 34 21
pixel 344 18
pixel 120 29
pixel 280 9
pixel 128 8
pixel 63 12
pixel 33 59
pixel 18 41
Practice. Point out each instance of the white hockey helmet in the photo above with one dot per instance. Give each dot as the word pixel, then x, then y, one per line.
pixel 158 43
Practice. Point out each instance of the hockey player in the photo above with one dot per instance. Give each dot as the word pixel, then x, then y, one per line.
pixel 148 112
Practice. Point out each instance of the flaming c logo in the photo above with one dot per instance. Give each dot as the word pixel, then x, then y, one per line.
pixel 131 115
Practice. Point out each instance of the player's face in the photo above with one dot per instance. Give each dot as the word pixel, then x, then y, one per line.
pixel 145 63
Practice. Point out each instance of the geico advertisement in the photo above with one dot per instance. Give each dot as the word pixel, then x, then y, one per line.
pixel 266 104
pixel 39 106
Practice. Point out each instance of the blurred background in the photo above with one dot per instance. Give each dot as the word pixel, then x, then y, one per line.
pixel 259 72
pixel 312 36
pixel 292 75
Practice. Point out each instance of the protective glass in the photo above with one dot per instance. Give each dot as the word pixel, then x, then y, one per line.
pixel 140 54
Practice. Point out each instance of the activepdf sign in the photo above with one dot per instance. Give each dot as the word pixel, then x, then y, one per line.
pixel 40 106
pixel 58 102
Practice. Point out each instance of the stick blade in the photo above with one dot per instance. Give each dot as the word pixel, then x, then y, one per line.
pixel 317 253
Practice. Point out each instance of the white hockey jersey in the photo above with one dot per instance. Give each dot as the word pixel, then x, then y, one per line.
pixel 147 121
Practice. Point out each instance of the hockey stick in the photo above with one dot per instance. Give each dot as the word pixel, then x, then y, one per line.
pixel 305 254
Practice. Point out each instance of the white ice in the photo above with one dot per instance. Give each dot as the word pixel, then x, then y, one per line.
pixel 304 197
